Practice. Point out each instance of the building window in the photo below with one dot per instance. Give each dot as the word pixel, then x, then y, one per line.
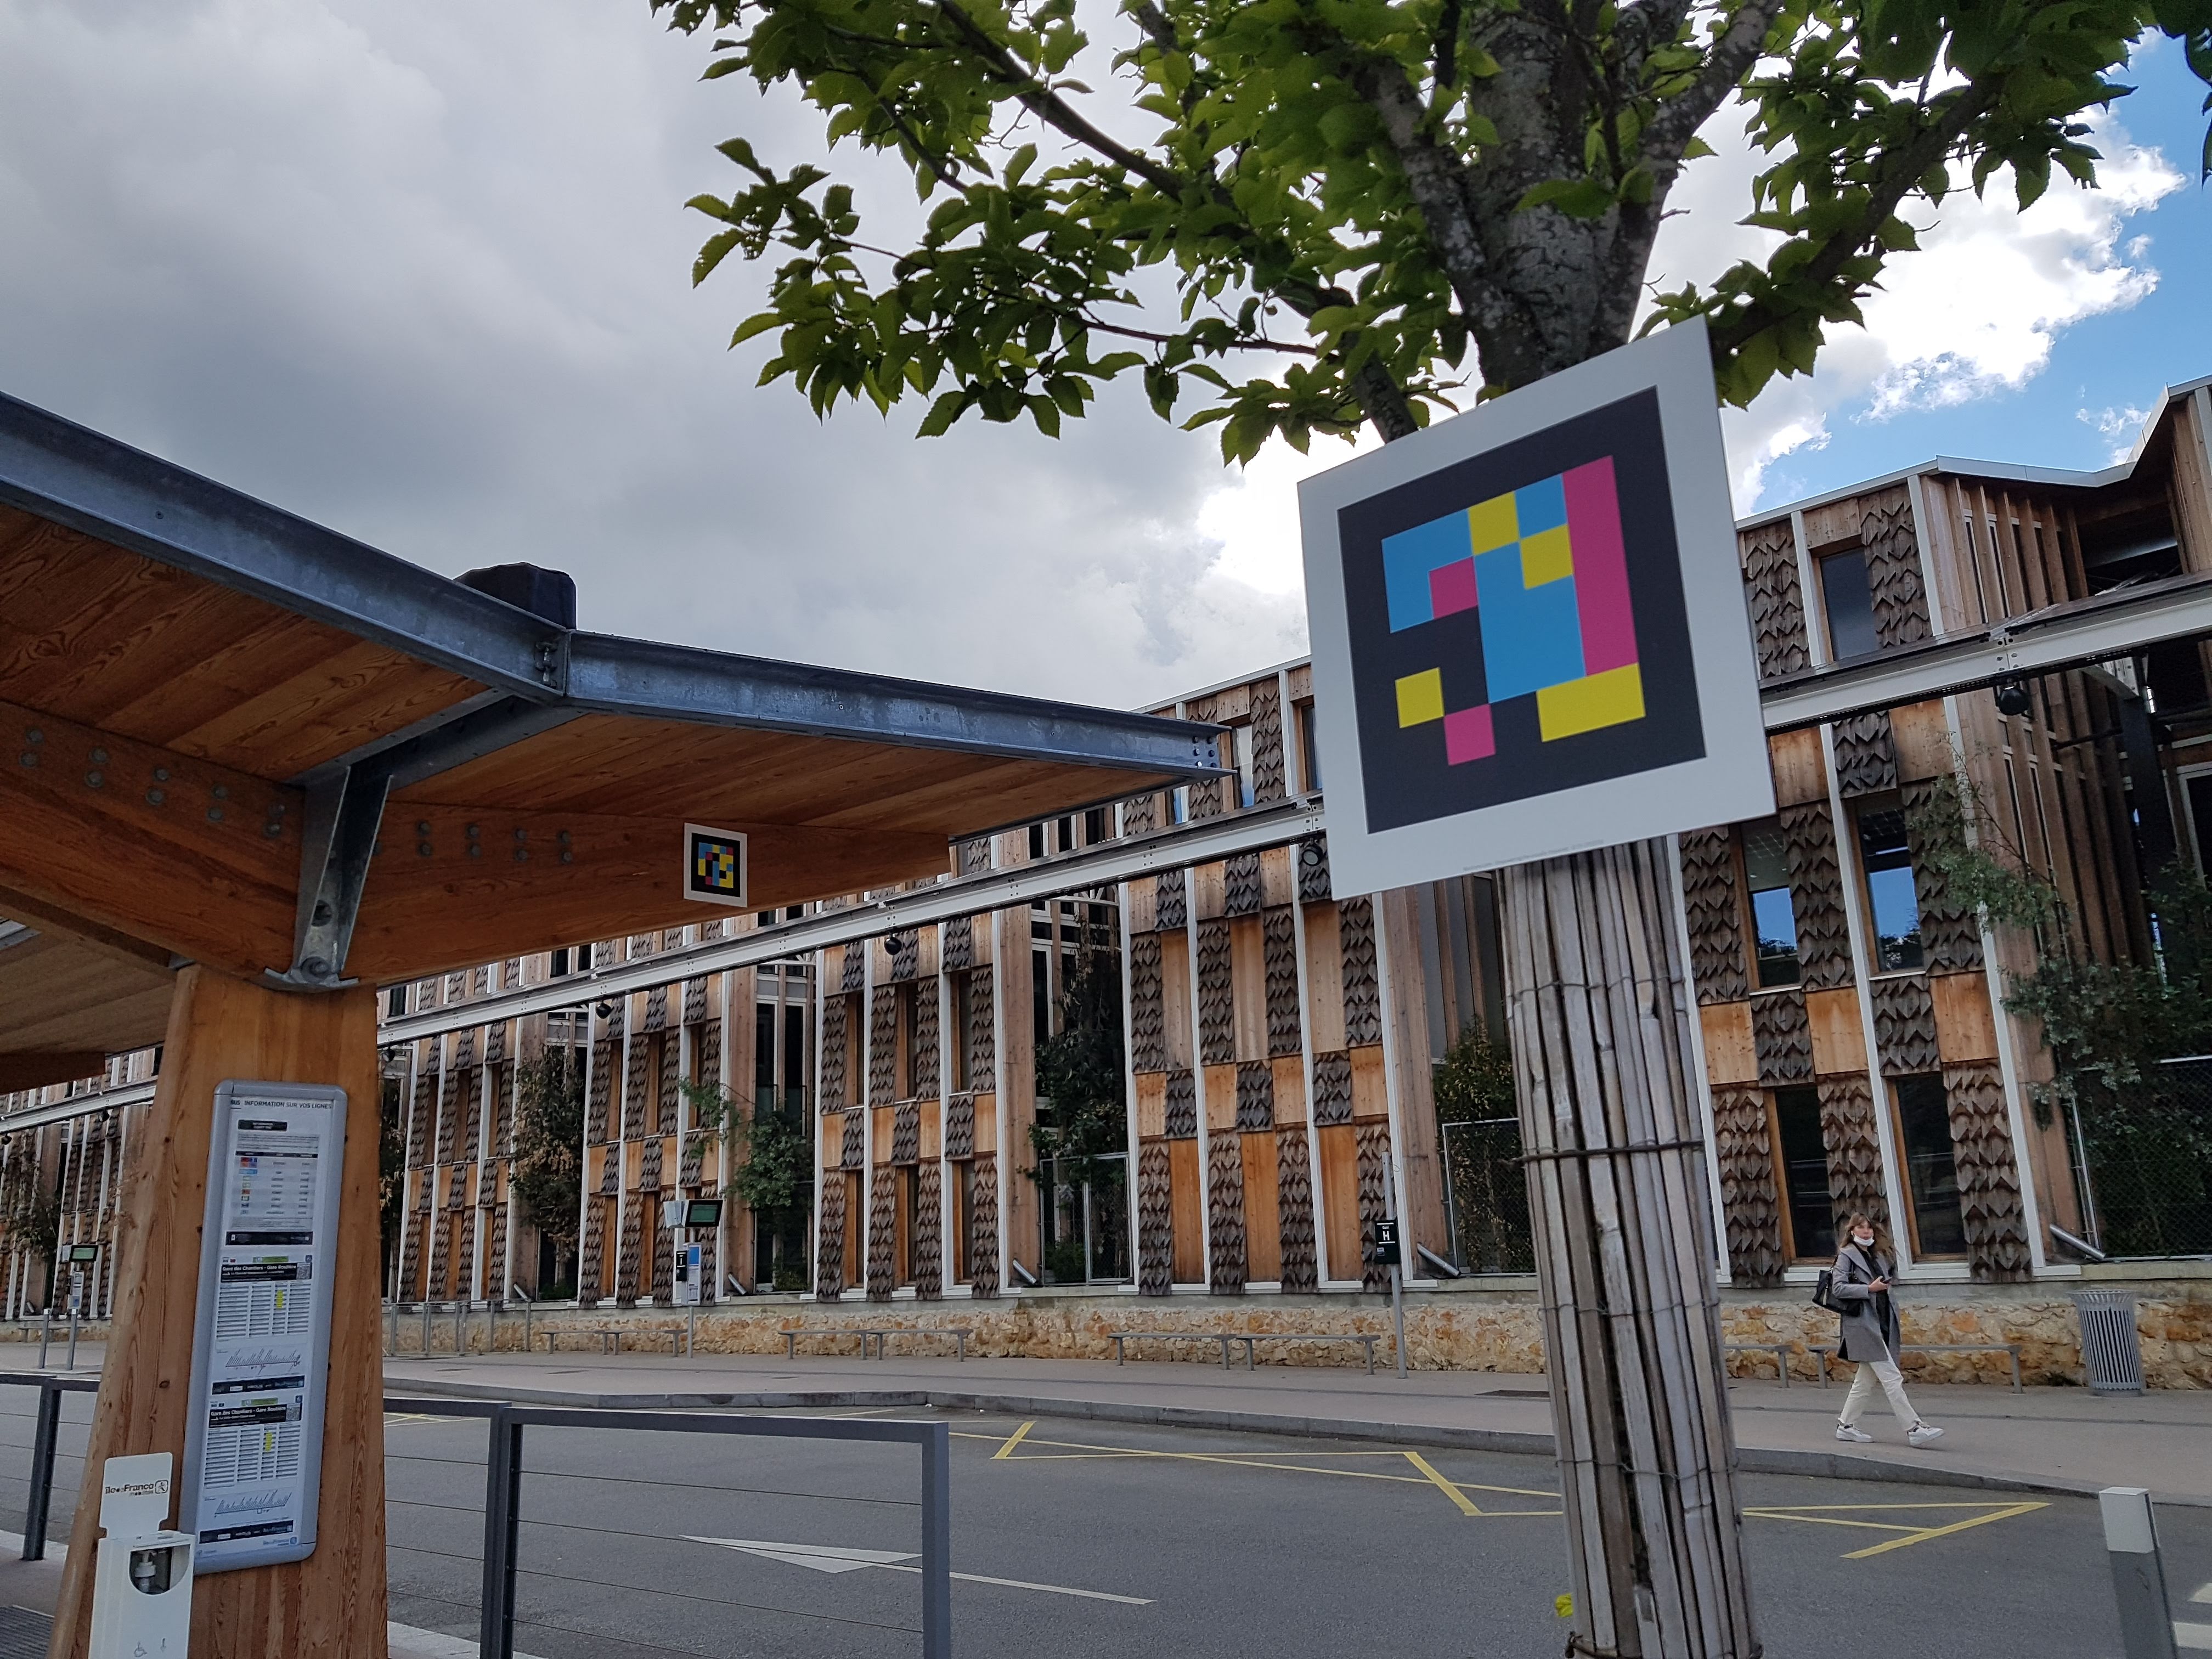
pixel 1773 917
pixel 1805 1174
pixel 1892 905
pixel 395 1002
pixel 1848 598
pixel 1036 841
pixel 1931 1168
pixel 963 1002
pixel 2196 803
pixel 564 962
pixel 1241 741
pixel 1097 826
pixel 903 1008
pixel 964 1225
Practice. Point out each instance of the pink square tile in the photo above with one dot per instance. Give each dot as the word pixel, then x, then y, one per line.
pixel 1451 587
pixel 1468 736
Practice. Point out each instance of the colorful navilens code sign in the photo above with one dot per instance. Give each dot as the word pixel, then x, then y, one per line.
pixel 1502 613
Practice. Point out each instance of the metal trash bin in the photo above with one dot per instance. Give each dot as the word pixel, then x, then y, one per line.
pixel 2111 1352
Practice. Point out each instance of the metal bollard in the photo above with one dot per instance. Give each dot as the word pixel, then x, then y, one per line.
pixel 45 1332
pixel 426 1327
pixel 491 1319
pixel 2138 1573
pixel 72 1345
pixel 39 1503
pixel 460 1326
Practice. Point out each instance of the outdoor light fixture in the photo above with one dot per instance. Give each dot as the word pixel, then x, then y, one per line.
pixel 603 1009
pixel 2011 696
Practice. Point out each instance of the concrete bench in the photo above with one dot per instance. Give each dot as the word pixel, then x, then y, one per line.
pixel 1249 1339
pixel 2011 1350
pixel 881 1333
pixel 1781 1351
pixel 610 1336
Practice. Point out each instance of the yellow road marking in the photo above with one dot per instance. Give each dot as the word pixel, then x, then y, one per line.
pixel 1466 1506
pixel 1835 1514
pixel 1939 1532
pixel 1076 1451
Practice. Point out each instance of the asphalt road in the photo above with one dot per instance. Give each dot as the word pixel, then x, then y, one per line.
pixel 1222 1545
pixel 1188 1543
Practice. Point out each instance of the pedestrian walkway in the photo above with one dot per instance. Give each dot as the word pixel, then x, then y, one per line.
pixel 2048 1439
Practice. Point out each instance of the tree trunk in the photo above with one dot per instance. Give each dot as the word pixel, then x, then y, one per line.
pixel 1618 1197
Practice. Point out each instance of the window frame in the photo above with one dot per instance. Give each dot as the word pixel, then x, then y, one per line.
pixel 1893 1090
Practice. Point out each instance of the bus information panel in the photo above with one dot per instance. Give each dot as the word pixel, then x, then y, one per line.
pixel 261 1347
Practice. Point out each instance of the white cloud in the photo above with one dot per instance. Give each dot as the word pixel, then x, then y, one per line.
pixel 2117 427
pixel 1974 312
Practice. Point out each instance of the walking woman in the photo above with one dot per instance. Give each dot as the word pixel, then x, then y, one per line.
pixel 1871 1336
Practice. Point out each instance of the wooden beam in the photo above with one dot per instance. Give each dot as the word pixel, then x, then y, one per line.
pixel 38 1068
pixel 331 1605
pixel 186 855
pixel 497 883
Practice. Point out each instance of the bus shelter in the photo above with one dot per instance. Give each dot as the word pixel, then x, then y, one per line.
pixel 250 769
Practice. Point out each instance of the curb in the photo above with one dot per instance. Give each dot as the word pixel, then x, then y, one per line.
pixel 1755 1460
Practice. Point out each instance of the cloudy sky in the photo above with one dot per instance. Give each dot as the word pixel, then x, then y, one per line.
pixel 420 269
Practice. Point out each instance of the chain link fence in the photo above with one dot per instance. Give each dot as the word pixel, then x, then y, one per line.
pixel 1487 1196
pixel 2150 1165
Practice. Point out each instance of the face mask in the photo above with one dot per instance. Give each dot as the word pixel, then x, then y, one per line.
pixel 1861 1239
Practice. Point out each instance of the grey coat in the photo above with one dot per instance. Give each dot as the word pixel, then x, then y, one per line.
pixel 1866 1334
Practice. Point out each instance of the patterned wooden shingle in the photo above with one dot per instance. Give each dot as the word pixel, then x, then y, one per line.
pixel 1374 1149
pixel 1313 870
pixel 883 1234
pixel 1715 913
pixel 960 1126
pixel 1240 884
pixel 637 1074
pixel 1140 814
pixel 1865 755
pixel 1216 1006
pixel 1255 1095
pixel 926 1042
pixel 829 1244
pixel 1181 1105
pixel 1783 1037
pixel 883 1045
pixel 1778 603
pixel 1363 995
pixel 1269 769
pixel 695 1000
pixel 853 975
pixel 1893 556
pixel 591 1256
pixel 852 1147
pixel 1816 891
pixel 1171 899
pixel 1950 930
pixel 1225 1216
pixel 1148 1046
pixel 1294 1209
pixel 1989 1204
pixel 1905 1026
pixel 928 1232
pixel 906 1133
pixel 1853 1144
pixel 1280 952
pixel 906 955
pixel 983 1043
pixel 1751 1207
pixel 671 1094
pixel 837 1046
pixel 627 1280
pixel 1155 1221
pixel 1332 1102
pixel 983 1235
pixel 959 944
pixel 656 1010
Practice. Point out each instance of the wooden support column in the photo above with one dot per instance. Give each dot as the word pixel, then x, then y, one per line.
pixel 330 1606
pixel 1632 1318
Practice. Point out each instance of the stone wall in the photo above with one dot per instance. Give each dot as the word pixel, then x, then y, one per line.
pixel 1493 1326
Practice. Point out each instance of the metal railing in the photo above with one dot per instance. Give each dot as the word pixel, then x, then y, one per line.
pixel 504 1469
pixel 463 1312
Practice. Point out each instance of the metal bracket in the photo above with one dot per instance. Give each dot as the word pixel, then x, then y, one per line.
pixel 345 809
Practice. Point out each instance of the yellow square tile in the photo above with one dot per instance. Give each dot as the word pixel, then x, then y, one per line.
pixel 1611 698
pixel 1546 558
pixel 1421 697
pixel 1492 524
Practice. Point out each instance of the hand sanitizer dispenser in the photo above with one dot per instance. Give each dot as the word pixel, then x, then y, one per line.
pixel 142 1579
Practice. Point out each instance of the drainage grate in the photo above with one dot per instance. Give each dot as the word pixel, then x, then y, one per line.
pixel 25 1634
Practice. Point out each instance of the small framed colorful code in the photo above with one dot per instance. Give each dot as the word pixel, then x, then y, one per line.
pixel 1529 627
pixel 715 866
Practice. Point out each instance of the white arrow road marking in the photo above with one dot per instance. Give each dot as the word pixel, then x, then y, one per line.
pixel 828 1557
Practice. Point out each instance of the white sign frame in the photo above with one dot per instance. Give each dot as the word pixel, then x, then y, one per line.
pixel 740 899
pixel 290 1366
pixel 1732 779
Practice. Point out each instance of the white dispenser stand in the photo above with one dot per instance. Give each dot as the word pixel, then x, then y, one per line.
pixel 142 1580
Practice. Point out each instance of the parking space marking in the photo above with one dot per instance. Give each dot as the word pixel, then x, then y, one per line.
pixel 1073 1451
pixel 1842 1515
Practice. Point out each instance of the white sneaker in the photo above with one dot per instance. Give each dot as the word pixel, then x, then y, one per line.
pixel 1923 1434
pixel 1846 1431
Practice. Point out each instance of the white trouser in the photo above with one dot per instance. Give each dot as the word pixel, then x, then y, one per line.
pixel 1884 1371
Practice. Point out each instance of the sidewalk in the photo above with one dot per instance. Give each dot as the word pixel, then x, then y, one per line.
pixel 2047 1439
